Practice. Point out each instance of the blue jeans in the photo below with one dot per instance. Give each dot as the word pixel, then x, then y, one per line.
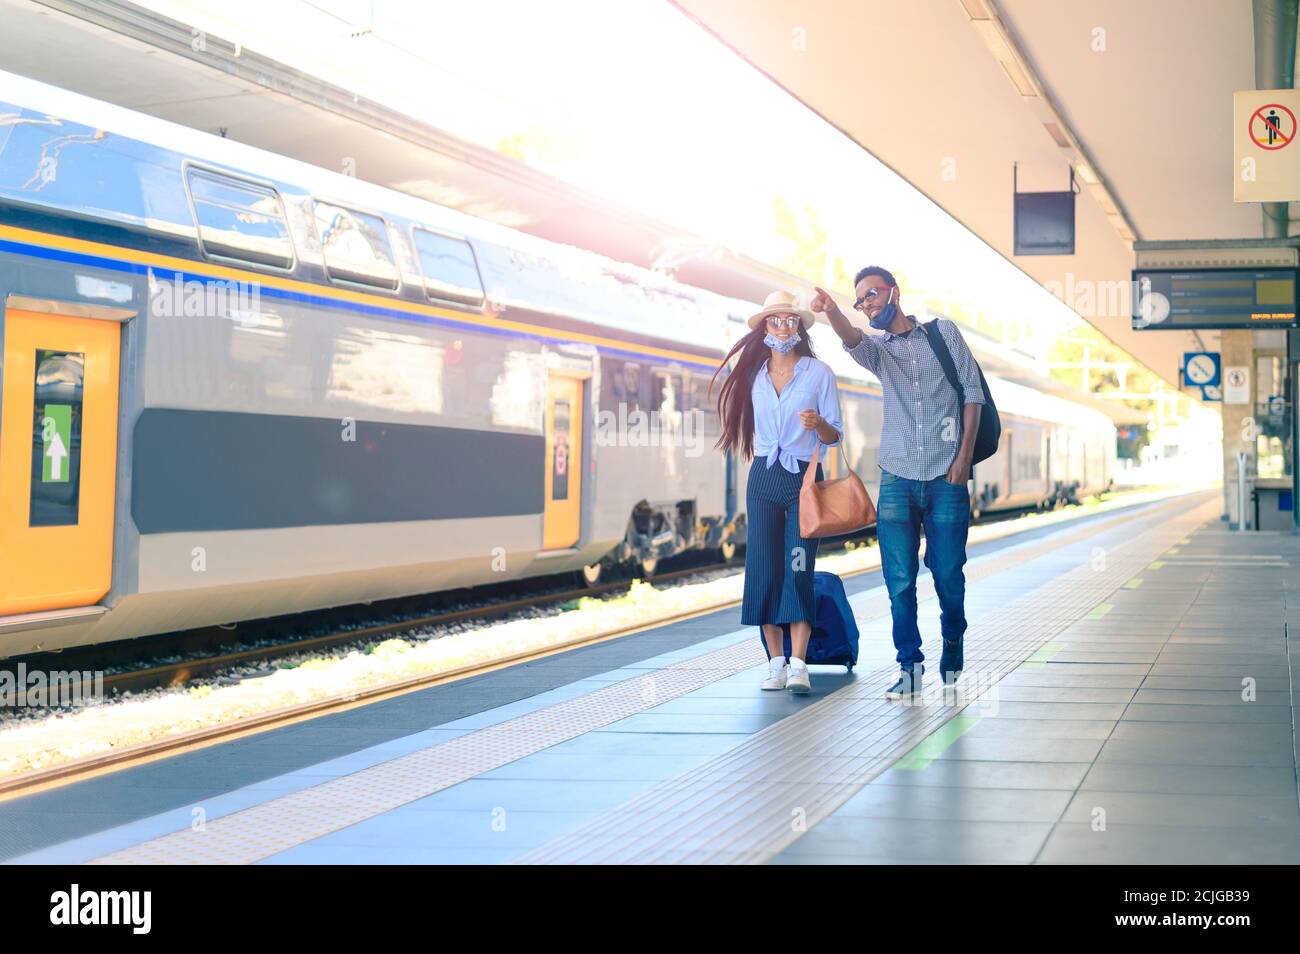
pixel 943 509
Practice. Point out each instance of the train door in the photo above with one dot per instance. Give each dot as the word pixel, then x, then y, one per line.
pixel 562 518
pixel 1008 465
pixel 830 461
pixel 730 479
pixel 58 460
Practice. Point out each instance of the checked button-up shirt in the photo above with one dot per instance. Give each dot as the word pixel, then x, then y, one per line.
pixel 923 423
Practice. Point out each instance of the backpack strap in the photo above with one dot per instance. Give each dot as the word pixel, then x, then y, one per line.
pixel 940 349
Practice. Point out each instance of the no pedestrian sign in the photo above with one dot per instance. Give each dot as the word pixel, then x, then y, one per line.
pixel 1236 385
pixel 1267 167
pixel 1272 126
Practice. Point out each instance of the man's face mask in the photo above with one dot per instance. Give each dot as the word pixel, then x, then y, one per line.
pixel 887 314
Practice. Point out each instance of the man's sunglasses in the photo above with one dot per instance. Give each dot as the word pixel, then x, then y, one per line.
pixel 871 295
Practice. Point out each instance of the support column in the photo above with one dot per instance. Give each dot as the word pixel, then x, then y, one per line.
pixel 1237 350
pixel 1293 395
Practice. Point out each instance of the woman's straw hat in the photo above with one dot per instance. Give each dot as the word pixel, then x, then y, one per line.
pixel 782 303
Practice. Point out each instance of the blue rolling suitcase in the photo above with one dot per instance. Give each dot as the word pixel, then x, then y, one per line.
pixel 835 633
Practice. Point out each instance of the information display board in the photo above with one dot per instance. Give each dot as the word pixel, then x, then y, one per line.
pixel 1214 298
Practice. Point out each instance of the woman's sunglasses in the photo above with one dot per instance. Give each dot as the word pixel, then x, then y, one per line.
pixel 777 321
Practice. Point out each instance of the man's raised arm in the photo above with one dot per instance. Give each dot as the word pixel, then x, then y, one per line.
pixel 822 302
pixel 861 346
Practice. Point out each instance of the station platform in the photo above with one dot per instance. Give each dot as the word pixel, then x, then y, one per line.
pixel 1129 698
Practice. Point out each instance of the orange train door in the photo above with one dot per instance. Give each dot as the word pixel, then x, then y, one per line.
pixel 1008 464
pixel 58 460
pixel 562 518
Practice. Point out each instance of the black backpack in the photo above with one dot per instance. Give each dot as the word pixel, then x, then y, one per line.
pixel 990 430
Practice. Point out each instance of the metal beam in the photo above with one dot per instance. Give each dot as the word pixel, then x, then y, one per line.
pixel 1275 41
pixel 1162 245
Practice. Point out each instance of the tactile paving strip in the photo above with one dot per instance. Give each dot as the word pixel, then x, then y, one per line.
pixel 281 823
pixel 748 804
pixel 287 821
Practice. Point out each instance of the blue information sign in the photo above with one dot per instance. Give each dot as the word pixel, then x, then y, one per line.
pixel 1200 368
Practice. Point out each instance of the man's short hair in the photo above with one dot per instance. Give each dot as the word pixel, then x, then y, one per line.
pixel 883 273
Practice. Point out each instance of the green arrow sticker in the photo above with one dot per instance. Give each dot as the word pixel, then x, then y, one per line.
pixel 56 438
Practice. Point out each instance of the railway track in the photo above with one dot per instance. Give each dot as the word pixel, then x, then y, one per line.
pixel 199 664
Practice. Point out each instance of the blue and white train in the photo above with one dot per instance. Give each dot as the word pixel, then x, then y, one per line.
pixel 235 385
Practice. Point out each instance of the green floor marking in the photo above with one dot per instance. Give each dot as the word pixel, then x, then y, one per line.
pixel 934 745
pixel 1044 653
pixel 1157 565
pixel 1172 550
pixel 1134 583
pixel 1100 610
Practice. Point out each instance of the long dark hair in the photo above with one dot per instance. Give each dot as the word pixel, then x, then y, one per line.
pixel 735 404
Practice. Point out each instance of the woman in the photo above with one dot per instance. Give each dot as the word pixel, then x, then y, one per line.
pixel 776 404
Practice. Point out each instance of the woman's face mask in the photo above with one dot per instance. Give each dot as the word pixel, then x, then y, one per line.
pixel 781 346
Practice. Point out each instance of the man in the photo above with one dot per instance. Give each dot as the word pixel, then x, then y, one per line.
pixel 926 446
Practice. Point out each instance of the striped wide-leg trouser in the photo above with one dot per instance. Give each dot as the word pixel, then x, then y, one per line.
pixel 778 562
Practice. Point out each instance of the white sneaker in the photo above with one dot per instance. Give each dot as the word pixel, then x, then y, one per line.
pixel 796 679
pixel 776 673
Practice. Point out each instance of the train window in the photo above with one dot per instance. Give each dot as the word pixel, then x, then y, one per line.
pixel 707 391
pixel 356 246
pixel 240 220
pixel 703 401
pixel 449 268
pixel 626 381
pixel 56 441
pixel 668 393
pixel 690 401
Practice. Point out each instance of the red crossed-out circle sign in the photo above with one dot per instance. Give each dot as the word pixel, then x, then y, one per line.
pixel 1258 127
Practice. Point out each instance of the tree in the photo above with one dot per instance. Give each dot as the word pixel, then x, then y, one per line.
pixel 807 255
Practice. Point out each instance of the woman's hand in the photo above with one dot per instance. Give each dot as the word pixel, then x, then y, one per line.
pixel 812 421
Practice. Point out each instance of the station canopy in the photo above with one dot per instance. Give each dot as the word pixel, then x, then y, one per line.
pixel 1135 97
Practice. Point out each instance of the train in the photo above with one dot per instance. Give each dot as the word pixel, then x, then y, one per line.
pixel 235 386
